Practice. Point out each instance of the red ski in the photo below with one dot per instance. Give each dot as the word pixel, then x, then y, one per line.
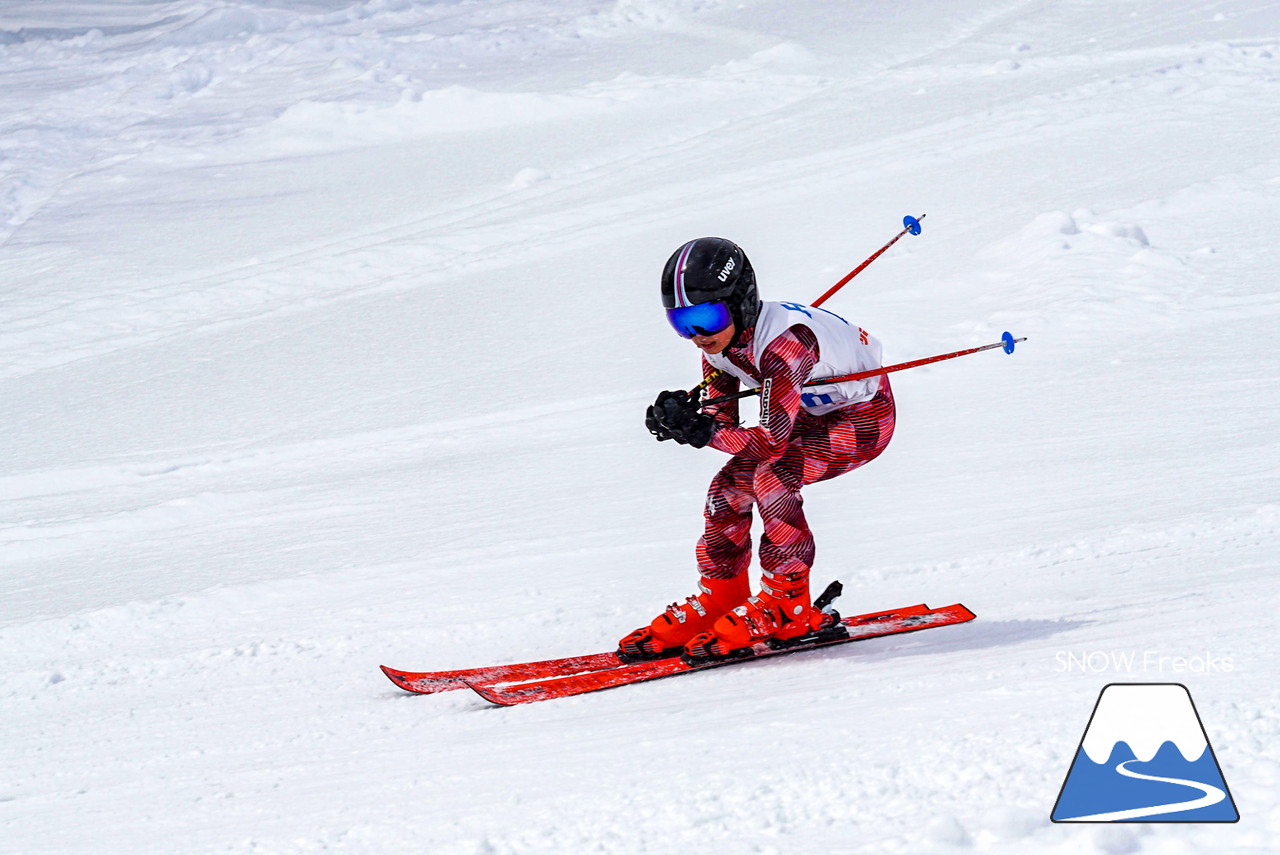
pixel 429 682
pixel 510 691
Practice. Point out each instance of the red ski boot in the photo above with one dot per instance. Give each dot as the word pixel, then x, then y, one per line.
pixel 667 634
pixel 779 615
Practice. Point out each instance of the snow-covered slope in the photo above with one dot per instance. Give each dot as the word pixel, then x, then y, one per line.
pixel 326 330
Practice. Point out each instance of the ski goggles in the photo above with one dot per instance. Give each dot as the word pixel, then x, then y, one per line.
pixel 700 319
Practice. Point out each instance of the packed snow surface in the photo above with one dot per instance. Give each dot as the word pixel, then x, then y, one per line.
pixel 326 331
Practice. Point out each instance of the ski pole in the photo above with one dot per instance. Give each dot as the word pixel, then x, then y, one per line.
pixel 909 224
pixel 1007 342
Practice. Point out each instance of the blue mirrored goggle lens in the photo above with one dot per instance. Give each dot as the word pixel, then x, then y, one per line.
pixel 702 319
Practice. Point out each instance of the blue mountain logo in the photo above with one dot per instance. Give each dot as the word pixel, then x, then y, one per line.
pixel 1145 757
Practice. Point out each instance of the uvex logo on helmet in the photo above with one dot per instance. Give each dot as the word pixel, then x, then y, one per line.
pixel 728 268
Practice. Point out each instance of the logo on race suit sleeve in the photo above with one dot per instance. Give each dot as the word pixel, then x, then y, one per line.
pixel 1145 757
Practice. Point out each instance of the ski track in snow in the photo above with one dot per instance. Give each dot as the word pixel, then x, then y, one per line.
pixel 325 328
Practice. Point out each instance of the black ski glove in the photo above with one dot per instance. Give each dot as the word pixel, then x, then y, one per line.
pixel 655 427
pixel 675 415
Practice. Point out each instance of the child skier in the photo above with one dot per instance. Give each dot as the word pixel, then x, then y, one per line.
pixel 806 434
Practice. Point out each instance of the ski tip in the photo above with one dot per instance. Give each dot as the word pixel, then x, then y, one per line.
pixel 489 695
pixel 400 678
pixel 912 224
pixel 420 684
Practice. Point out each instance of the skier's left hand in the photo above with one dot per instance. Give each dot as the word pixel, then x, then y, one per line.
pixel 676 415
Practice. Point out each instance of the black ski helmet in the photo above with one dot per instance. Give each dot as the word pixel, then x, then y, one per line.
pixel 712 270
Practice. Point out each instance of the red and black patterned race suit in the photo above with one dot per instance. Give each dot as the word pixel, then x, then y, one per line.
pixel 789 450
